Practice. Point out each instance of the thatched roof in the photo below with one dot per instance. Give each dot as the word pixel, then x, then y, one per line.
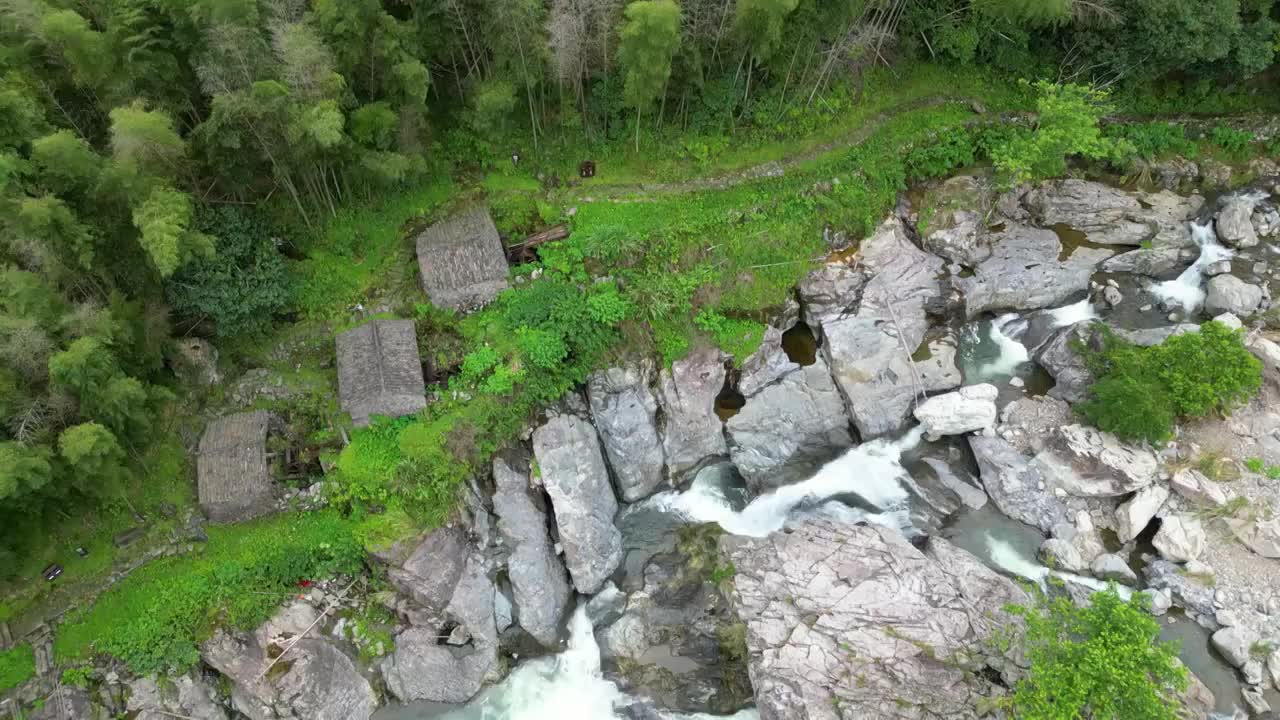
pixel 379 371
pixel 461 260
pixel 233 473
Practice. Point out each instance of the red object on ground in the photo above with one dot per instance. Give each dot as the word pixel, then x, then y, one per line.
pixel 304 583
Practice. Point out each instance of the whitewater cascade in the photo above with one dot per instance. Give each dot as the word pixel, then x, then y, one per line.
pixel 1187 290
pixel 873 471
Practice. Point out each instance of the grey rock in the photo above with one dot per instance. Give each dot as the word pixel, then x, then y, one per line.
pixel 625 410
pixel 1193 591
pixel 1221 267
pixel 789 428
pixel 1059 358
pixel 1230 294
pixel 1235 222
pixel 196 361
pixel 1152 262
pixel 422 669
pixel 1159 601
pixel 687 394
pixel 1146 337
pixel 1112 296
pixel 1194 486
pixel 1134 515
pixel 1234 643
pixel 1273 667
pixel 1032 420
pixel 959 236
pixel 1024 273
pixel 1060 554
pixel 1015 485
pixel 1266 221
pixel 576 479
pixel 1181 538
pixel 868 352
pixel 1109 216
pixel 1260 535
pixel 1255 700
pixel 1086 462
pixel 825 592
pixel 1171 174
pixel 1113 567
pixel 324 684
pixel 431 572
pixel 970 408
pixel 189 697
pixel 830 292
pixel 539 582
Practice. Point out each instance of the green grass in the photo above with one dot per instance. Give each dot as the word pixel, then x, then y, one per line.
pixel 17 665
pixel 153 619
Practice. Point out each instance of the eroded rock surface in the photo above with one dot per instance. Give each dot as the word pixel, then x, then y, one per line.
pixel 687 392
pixel 624 410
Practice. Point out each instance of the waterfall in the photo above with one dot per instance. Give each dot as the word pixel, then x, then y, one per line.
pixel 1071 314
pixel 1187 291
pixel 872 471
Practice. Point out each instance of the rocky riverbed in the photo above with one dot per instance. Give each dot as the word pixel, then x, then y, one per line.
pixel 841 540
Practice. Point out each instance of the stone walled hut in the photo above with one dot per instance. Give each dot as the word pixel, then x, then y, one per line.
pixel 379 371
pixel 462 262
pixel 233 469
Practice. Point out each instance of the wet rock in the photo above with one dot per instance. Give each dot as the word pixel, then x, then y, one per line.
pixel 869 352
pixel 1015 485
pixel 1109 216
pixel 1024 273
pixel 1193 591
pixel 1133 516
pixel 788 429
pixel 826 595
pixel 1152 262
pixel 1112 296
pixel 1181 538
pixel 1113 567
pixel 1194 486
pixel 1060 554
pixel 1235 223
pixel 830 292
pixel 1158 600
pixel 1262 536
pixel 577 481
pixel 965 410
pixel 539 582
pixel 1230 321
pixel 1230 294
pixel 1089 463
pixel 624 410
pixel 1255 700
pixel 1234 644
pixel 1221 267
pixel 189 697
pixel 687 394
pixel 1059 358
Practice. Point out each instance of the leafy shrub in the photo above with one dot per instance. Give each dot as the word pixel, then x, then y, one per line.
pixel 1140 392
pixel 154 619
pixel 1233 142
pixel 739 338
pixel 1067 125
pixel 17 665
pixel 953 149
pixel 243 284
pixel 1102 661
pixel 1152 140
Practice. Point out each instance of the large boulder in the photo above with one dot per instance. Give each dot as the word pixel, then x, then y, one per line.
pixel 576 479
pixel 1261 535
pixel 430 573
pixel 1200 490
pixel 1153 262
pixel 625 410
pixel 1235 644
pixel 1230 294
pixel 869 352
pixel 788 427
pixel 186 696
pixel 1087 462
pixel 830 292
pixel 1134 515
pixel 965 410
pixel 1060 359
pixel 539 582
pixel 1235 222
pixel 421 668
pixel 687 393
pixel 1181 538
pixel 1015 485
pixel 1108 215
pixel 1024 272
pixel 314 680
pixel 827 601
pixel 960 237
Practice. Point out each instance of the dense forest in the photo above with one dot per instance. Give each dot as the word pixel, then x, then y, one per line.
pixel 164 165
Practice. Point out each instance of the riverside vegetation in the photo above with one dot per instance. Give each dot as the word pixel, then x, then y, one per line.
pixel 245 171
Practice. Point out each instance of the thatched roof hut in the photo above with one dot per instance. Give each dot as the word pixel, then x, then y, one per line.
pixel 379 370
pixel 462 262
pixel 233 471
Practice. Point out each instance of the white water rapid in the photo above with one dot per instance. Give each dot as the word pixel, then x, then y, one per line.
pixel 872 471
pixel 1005 556
pixel 1187 290
pixel 568 686
pixel 1011 354
pixel 1071 314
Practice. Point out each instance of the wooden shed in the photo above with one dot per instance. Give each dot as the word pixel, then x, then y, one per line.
pixel 379 371
pixel 461 260
pixel 233 469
